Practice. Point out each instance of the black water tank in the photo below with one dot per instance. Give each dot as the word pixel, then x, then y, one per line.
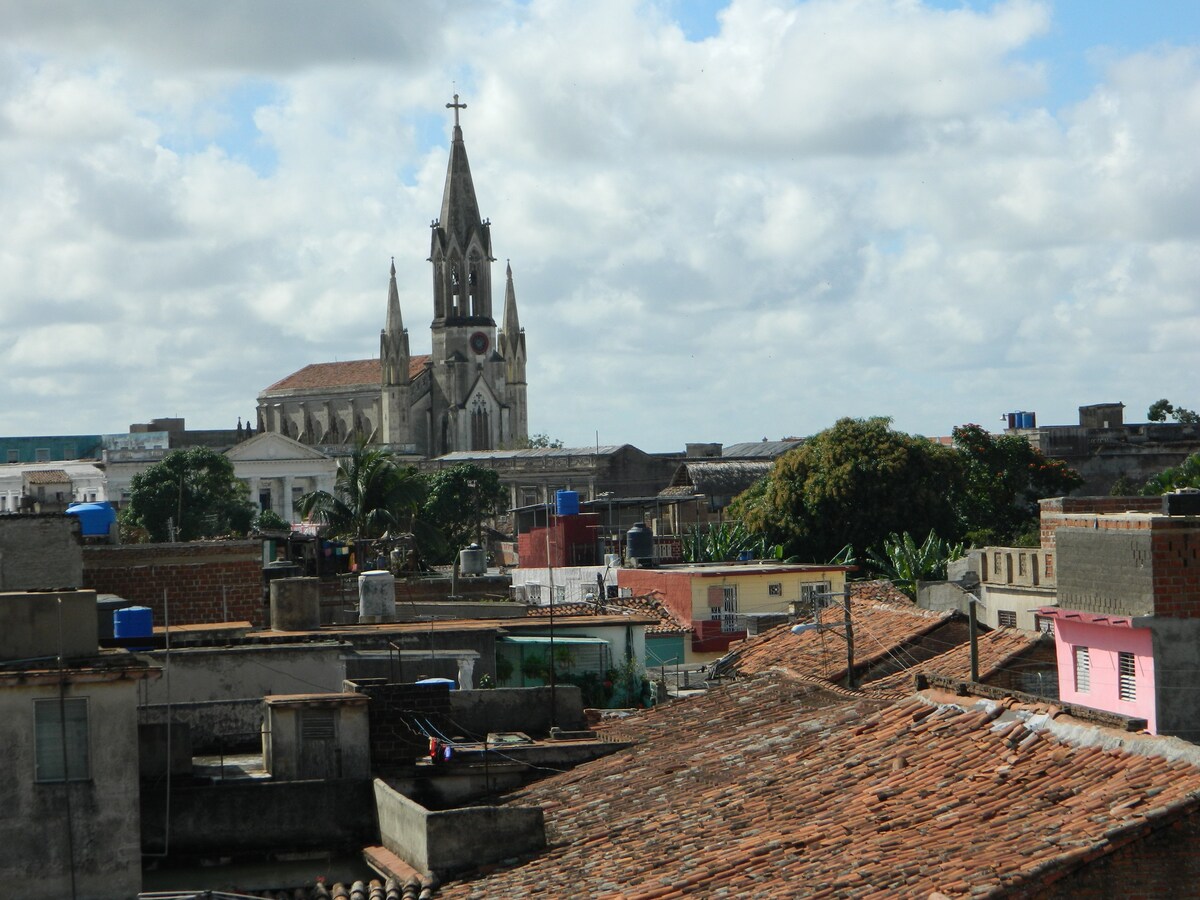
pixel 639 543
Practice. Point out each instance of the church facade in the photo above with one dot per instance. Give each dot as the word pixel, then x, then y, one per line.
pixel 468 394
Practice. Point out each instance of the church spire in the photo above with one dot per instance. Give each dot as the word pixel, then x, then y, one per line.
pixel 395 323
pixel 461 245
pixel 512 325
pixel 393 340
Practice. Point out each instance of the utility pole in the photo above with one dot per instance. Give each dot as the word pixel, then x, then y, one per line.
pixel 851 679
pixel 973 620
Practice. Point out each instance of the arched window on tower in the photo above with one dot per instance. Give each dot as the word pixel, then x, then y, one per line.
pixel 456 292
pixel 481 431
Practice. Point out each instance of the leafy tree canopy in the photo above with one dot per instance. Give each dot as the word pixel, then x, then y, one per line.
pixel 1004 477
pixel 458 499
pixel 371 495
pixel 854 483
pixel 1184 475
pixel 1161 409
pixel 194 488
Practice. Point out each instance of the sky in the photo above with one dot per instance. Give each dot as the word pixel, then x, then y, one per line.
pixel 726 221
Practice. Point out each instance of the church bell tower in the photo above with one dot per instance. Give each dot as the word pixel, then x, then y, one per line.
pixel 470 406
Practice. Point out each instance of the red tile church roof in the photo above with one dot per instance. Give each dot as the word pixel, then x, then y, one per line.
pixel 351 373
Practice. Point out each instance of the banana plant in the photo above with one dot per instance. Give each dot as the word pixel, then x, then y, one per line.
pixel 904 562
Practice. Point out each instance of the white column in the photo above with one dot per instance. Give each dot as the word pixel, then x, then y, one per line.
pixel 289 514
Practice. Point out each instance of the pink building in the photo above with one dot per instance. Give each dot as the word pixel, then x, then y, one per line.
pixel 1105 662
pixel 1127 623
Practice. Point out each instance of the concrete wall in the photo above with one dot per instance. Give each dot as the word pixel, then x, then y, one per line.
pixel 246 672
pixel 450 841
pixel 516 709
pixel 40 553
pixel 214 726
pixel 104 850
pixel 1177 677
pixel 217 581
pixel 259 816
pixel 291 753
pixel 41 625
pixel 1104 571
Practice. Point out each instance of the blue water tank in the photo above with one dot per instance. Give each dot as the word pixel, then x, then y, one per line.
pixel 639 543
pixel 449 682
pixel 566 503
pixel 1026 420
pixel 95 519
pixel 133 622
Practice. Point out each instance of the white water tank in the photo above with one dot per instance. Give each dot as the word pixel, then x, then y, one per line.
pixel 376 597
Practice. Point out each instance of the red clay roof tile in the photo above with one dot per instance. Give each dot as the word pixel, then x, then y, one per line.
pixel 766 783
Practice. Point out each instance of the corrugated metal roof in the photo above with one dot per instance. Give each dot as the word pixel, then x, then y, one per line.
pixel 759 449
pixel 533 453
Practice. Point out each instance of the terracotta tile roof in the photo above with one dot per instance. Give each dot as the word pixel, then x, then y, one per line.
pixel 47 476
pixel 648 605
pixel 351 373
pixel 998 650
pixel 884 619
pixel 762 785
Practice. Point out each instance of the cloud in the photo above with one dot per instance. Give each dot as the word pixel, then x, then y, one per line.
pixel 820 209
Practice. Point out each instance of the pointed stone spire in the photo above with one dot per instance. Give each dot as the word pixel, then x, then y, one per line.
pixel 393 339
pixel 512 325
pixel 460 209
pixel 395 323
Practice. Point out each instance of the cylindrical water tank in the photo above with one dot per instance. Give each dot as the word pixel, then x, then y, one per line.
pixel 133 622
pixel 376 597
pixel 566 503
pixel 472 561
pixel 639 543
pixel 296 604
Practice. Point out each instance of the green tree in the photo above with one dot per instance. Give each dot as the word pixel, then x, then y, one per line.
pixel 269 520
pixel 193 489
pixel 459 499
pixel 1184 475
pixel 371 495
pixel 1005 476
pixel 904 562
pixel 1161 409
pixel 854 483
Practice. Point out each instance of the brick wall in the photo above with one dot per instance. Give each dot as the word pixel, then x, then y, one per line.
pixel 205 582
pixel 1058 512
pixel 393 740
pixel 1174 546
pixel 1133 565
pixel 1162 864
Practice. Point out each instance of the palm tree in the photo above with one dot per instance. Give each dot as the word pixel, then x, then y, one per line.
pixel 371 495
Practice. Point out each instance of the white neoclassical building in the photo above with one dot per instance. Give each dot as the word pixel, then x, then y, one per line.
pixel 278 470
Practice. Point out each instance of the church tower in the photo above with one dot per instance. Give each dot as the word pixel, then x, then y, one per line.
pixel 471 406
pixel 394 374
pixel 512 348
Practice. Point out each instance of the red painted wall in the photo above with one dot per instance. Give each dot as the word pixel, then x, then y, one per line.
pixel 572 543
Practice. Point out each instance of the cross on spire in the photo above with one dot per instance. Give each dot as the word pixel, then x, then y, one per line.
pixel 456 106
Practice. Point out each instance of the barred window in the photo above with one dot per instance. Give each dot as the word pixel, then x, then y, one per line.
pixel 1127 674
pixel 1083 670
pixel 1006 618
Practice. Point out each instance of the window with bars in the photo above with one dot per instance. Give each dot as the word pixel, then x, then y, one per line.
pixel 1006 618
pixel 1083 670
pixel 60 733
pixel 1126 675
